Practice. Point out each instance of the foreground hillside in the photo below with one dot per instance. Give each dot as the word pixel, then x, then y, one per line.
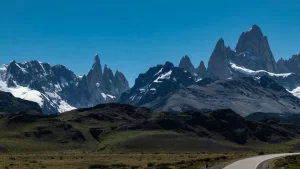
pixel 123 136
pixel 112 128
pixel 11 104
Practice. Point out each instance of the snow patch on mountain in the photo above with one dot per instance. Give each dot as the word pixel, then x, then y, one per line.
pixel 55 101
pixel 295 92
pixel 33 95
pixel 158 72
pixel 111 96
pixel 252 72
pixel 63 82
pixel 3 68
pixel 64 106
pixel 199 79
pixel 107 95
pixel 163 76
pixel 22 69
pixel 23 93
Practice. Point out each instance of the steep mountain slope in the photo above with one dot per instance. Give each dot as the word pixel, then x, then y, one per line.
pixel 253 51
pixel 11 104
pixel 185 63
pixel 219 59
pixel 242 94
pixel 289 65
pixel 57 89
pixel 201 70
pixel 290 81
pixel 158 82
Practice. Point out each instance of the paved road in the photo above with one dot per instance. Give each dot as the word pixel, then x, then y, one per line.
pixel 253 162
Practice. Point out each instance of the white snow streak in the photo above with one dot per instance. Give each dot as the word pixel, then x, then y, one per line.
pixel 296 92
pixel 252 72
pixel 163 76
pixel 23 93
pixel 159 72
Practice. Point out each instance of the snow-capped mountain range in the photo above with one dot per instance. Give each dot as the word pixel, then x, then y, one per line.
pixel 222 83
pixel 247 79
pixel 57 89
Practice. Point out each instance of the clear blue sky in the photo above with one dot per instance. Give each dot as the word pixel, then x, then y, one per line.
pixel 132 35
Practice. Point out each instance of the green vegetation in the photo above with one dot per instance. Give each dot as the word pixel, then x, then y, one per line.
pixel 122 136
pixel 290 162
pixel 115 161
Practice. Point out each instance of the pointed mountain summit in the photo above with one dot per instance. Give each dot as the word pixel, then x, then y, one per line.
pixel 95 82
pixel 219 60
pixel 168 65
pixel 290 65
pixel 201 69
pixel 108 78
pixel 283 66
pixel 253 51
pixel 186 64
pixel 120 82
pixel 95 74
pixel 57 89
pixel 157 83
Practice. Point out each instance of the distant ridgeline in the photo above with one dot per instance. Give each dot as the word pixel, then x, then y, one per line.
pixel 57 89
pixel 246 80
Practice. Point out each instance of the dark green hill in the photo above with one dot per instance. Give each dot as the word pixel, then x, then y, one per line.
pixel 11 104
pixel 124 128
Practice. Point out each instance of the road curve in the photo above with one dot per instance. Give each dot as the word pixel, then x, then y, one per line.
pixel 253 162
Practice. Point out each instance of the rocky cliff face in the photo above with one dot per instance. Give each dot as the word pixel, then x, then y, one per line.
pixel 246 80
pixel 185 63
pixel 95 82
pixel 253 51
pixel 242 94
pixel 283 66
pixel 201 70
pixel 157 83
pixel 108 78
pixel 57 89
pixel 219 60
pixel 121 84
pixel 290 65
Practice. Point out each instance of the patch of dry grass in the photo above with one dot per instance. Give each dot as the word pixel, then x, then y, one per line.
pixel 130 161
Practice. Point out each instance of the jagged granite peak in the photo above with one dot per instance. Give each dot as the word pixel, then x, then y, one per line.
pixel 218 62
pixel 95 82
pixel 283 66
pixel 242 94
pixel 290 65
pixel 97 63
pixel 186 64
pixel 157 82
pixel 120 82
pixel 47 85
pixel 253 51
pixel 201 70
pixel 95 74
pixel 23 73
pixel 168 65
pixel 108 80
pixel 294 63
pixel 57 89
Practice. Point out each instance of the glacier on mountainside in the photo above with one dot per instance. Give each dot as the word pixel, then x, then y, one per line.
pixel 252 72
